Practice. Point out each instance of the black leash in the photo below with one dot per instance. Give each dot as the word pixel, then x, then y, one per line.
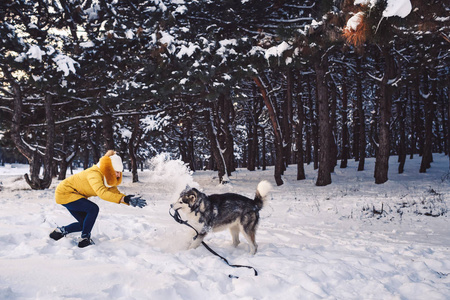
pixel 176 216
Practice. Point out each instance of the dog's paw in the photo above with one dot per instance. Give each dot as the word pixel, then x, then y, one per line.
pixel 195 243
pixel 253 249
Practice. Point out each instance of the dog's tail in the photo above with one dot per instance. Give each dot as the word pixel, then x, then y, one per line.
pixel 262 190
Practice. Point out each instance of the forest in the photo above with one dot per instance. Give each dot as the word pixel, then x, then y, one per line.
pixel 224 84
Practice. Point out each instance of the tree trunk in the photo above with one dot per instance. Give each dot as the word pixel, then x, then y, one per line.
pixel 254 113
pixel 315 132
pixel 325 156
pixel 344 145
pixel 264 149
pixel 49 146
pixel 428 109
pixel 334 149
pixel 448 117
pixel 356 127
pixel 64 163
pixel 86 156
pixel 216 150
pixel 401 109
pixel 95 138
pixel 132 148
pixel 35 165
pixel 418 116
pixel 67 158
pixel 310 123
pixel 190 147
pixel 382 157
pixel 361 117
pixel 108 134
pixel 287 118
pixel 227 115
pixel 279 166
pixel 299 145
pixel 249 151
pixel 34 158
pixel 412 126
pixel 444 122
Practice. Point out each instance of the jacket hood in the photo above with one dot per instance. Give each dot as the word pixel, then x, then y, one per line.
pixel 107 169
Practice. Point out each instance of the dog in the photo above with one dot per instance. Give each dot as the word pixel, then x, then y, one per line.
pixel 218 212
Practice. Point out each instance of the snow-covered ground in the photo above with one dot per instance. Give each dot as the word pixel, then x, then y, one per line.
pixel 352 239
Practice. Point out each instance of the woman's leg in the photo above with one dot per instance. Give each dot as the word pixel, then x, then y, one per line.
pixel 77 226
pixel 85 212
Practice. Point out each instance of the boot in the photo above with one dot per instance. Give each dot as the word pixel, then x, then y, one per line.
pixel 58 233
pixel 84 242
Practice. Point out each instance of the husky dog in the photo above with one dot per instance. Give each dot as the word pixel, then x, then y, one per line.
pixel 221 211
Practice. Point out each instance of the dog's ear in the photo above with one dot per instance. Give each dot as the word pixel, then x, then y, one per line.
pixel 186 189
pixel 190 197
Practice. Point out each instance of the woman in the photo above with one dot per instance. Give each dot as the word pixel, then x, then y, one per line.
pixel 100 180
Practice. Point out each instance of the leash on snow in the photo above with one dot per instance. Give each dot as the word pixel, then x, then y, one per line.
pixel 176 216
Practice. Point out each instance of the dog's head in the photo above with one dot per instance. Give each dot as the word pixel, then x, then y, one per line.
pixel 188 200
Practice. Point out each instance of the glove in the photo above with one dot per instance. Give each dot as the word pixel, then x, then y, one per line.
pixel 135 201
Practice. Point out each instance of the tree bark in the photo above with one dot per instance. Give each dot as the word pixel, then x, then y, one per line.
pixel 49 147
pixel 34 180
pixel 361 117
pixel 226 119
pixel 413 125
pixel 132 148
pixel 325 156
pixel 427 156
pixel 315 131
pixel 287 118
pixel 67 158
pixel 86 156
pixel 299 144
pixel 254 113
pixel 344 111
pixel 216 150
pixel 401 108
pixel 279 167
pixel 382 157
pixel 310 125
pixel 108 134
pixel 33 156
pixel 448 117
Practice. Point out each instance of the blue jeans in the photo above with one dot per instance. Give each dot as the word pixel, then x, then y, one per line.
pixel 85 212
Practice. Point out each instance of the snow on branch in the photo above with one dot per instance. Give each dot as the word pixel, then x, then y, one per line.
pixel 375 78
pixel 63 62
pixel 291 20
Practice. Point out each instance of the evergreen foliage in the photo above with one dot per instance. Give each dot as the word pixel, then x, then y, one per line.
pixel 222 84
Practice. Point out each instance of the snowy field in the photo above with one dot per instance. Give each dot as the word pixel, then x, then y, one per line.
pixel 349 240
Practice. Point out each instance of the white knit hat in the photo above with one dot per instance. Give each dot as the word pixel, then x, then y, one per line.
pixel 116 163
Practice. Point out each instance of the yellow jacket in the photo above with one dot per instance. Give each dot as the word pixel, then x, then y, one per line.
pixel 99 180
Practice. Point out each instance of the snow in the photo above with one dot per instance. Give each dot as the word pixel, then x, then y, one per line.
pixel 400 8
pixel 88 44
pixel 35 52
pixel 355 20
pixel 371 3
pixel 187 50
pixel 65 64
pixel 333 242
pixel 278 50
pixel 129 34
